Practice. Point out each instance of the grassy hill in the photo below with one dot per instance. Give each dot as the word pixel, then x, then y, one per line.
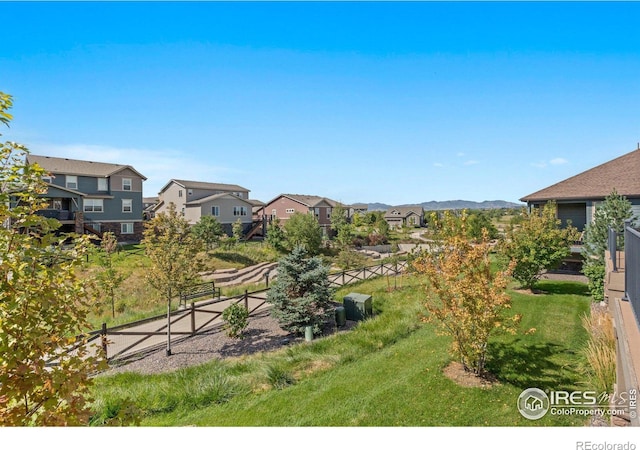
pixel 388 371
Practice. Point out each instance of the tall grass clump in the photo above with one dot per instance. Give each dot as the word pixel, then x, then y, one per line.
pixel 600 351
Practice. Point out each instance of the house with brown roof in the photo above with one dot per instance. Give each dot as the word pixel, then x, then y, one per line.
pixel 93 197
pixel 405 216
pixel 578 197
pixel 195 199
pixel 285 205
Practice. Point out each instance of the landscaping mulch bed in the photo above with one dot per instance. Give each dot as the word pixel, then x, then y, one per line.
pixel 262 335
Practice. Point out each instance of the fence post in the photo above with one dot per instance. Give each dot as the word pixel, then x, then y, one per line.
pixel 103 337
pixel 343 277
pixel 246 299
pixel 193 318
pixel 613 248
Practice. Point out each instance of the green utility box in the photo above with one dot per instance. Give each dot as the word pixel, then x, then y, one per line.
pixel 358 306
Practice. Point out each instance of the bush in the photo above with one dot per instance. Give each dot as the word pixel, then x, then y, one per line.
pixel 236 318
pixel 595 272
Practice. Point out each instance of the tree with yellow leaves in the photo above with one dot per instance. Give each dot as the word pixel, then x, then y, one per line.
pixel 464 295
pixel 44 303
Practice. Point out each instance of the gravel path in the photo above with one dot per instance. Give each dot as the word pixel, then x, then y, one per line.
pixel 262 334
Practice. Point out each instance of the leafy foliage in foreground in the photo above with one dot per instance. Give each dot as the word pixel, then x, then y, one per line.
pixel 43 303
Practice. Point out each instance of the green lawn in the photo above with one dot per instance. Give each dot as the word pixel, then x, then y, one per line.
pixel 385 372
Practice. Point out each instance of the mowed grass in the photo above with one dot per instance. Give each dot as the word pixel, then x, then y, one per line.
pixel 388 371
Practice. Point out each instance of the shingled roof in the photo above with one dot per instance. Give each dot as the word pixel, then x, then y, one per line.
pixel 187 184
pixel 621 174
pixel 78 167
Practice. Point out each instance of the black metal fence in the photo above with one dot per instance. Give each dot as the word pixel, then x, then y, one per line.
pixel 632 270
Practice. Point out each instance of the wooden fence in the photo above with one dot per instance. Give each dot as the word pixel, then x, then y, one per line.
pixel 135 338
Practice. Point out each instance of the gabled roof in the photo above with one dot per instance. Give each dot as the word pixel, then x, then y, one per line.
pixel 403 212
pixel 215 197
pixel 621 174
pixel 187 184
pixel 310 201
pixel 78 167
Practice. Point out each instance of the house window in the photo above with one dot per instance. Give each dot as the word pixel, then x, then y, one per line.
pixel 290 210
pixel 126 184
pixel 317 212
pixel 180 193
pixel 47 178
pixel 328 213
pixel 93 205
pixel 126 228
pixel 71 182
pixel 103 184
pixel 215 211
pixel 239 210
pixel 238 194
pixel 189 191
pixel 127 205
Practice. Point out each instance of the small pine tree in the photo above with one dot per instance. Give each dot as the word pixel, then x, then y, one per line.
pixel 301 295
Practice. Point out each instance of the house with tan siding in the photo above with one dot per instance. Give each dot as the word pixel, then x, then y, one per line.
pixel 195 199
pixel 578 197
pixel 404 216
pixel 93 197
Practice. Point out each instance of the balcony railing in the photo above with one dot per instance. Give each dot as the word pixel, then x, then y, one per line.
pixel 57 214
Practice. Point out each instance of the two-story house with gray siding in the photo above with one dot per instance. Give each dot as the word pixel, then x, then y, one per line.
pixel 93 197
pixel 195 199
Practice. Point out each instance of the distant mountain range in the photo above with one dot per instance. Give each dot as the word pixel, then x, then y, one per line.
pixel 452 204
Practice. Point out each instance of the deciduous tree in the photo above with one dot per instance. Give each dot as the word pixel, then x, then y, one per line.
pixel 109 279
pixel 466 298
pixel 537 244
pixel 43 303
pixel 303 230
pixel 208 230
pixel 173 251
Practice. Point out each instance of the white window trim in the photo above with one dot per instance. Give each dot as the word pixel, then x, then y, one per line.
pixel 290 210
pixel 93 206
pixel 71 184
pixel 217 209
pixel 130 184
pixel 125 227
pixel 239 211
pixel 106 184
pixel 124 202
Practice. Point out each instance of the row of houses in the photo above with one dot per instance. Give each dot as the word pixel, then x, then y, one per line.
pixel 95 197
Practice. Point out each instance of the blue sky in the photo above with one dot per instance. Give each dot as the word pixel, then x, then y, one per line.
pixel 360 102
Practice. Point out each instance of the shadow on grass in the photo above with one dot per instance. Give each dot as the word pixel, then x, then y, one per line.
pixel 544 366
pixel 563 288
pixel 235 258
